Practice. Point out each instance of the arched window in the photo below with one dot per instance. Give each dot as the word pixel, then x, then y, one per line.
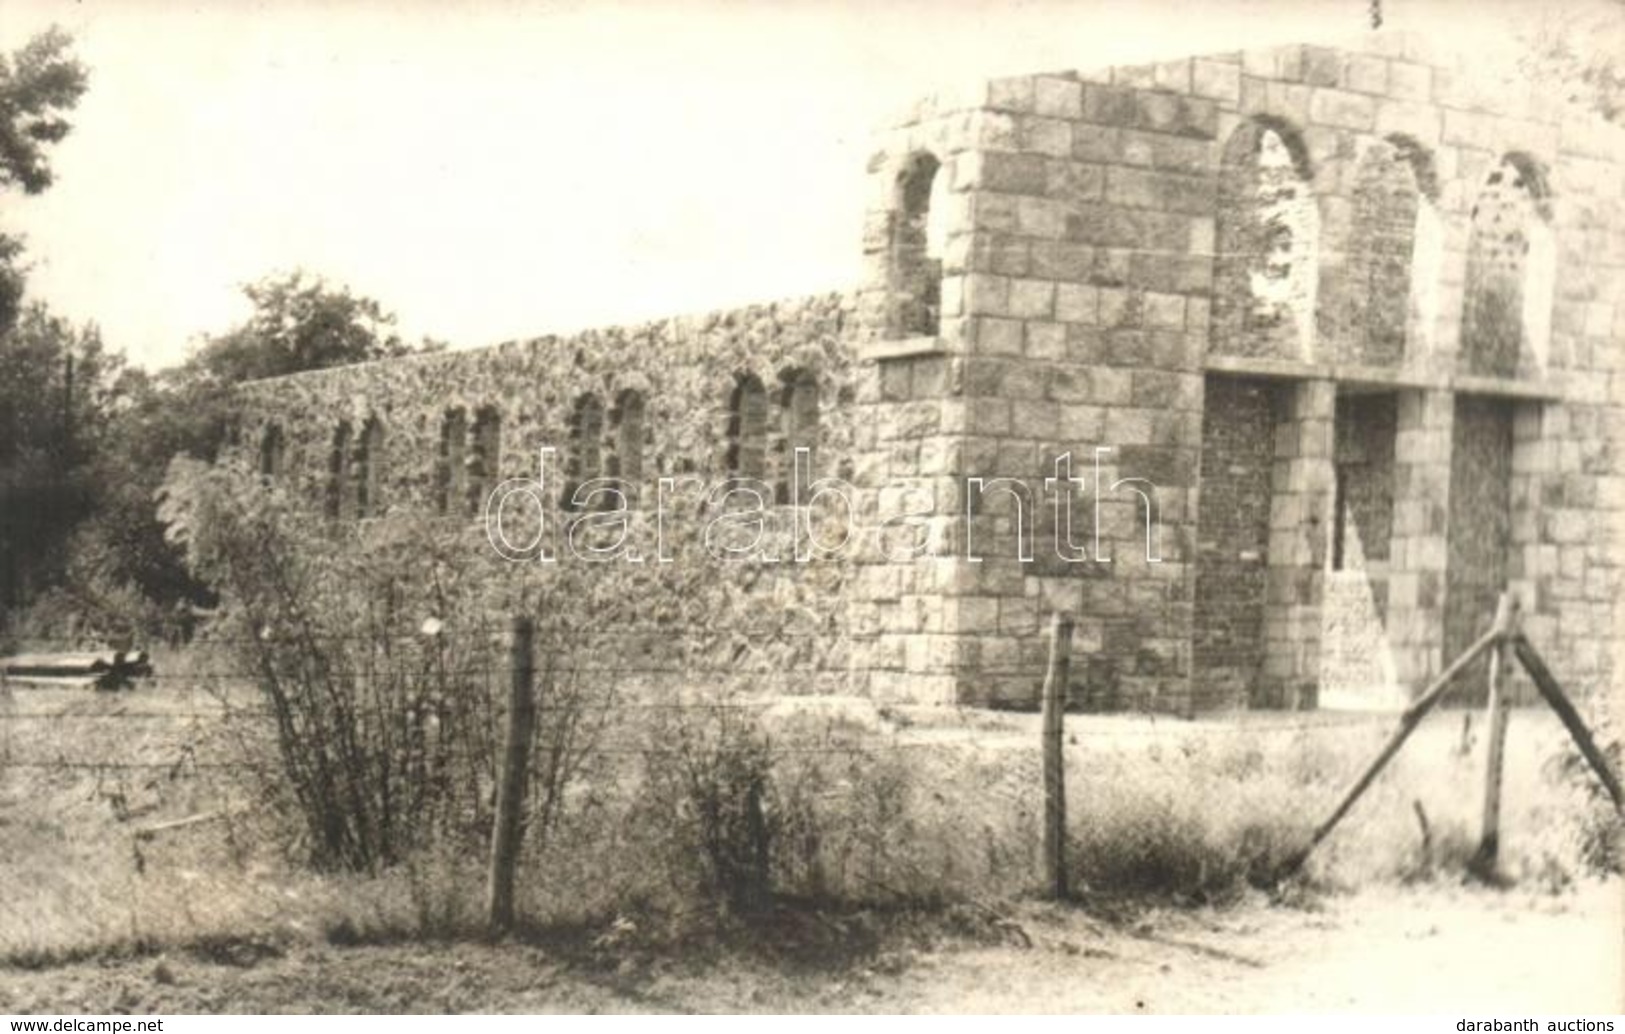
pixel 369 482
pixel 1382 255
pixel 585 459
pixel 626 463
pixel 918 236
pixel 271 453
pixel 339 499
pixel 1267 235
pixel 798 407
pixel 1510 267
pixel 451 473
pixel 747 429
pixel 485 459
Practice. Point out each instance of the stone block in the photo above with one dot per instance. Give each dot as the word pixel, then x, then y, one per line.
pixel 1082 423
pixel 1411 82
pixel 1071 383
pixel 1062 260
pixel 1058 98
pixel 1048 136
pixel 1046 340
pixel 1218 80
pixel 988 416
pixel 1198 313
pixel 894 380
pixel 952 294
pixel 1114 267
pixel 1366 74
pixel 1260 62
pixel 1109 106
pixel 1077 303
pixel 1041 217
pixel 986 295
pixel 1127 426
pixel 996 212
pixel 1172 272
pixel 994 131
pixel 1120 308
pixel 1342 109
pixel 1016 93
pixel 1074 180
pixel 1005 256
pixel 994 336
pixel 1011 173
pixel 1157 389
pixel 1032 299
pixel 1018 617
pixel 1034 418
pixel 1139 77
pixel 1114 387
pixel 1085 344
pixel 1164 310
pixel 1096 144
pixel 1321 66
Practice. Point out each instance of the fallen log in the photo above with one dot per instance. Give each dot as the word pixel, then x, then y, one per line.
pixel 103 669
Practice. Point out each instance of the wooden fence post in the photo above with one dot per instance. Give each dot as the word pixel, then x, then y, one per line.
pixel 511 779
pixel 1559 701
pixel 1498 712
pixel 1056 680
pixel 1408 722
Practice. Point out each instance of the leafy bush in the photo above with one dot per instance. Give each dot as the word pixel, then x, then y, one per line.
pixel 1599 834
pixel 382 662
pixel 384 734
pixel 713 777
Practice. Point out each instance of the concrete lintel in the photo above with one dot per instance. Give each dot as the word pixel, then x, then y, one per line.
pixel 1547 390
pixel 900 348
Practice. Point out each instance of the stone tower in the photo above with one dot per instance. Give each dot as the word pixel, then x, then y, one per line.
pixel 1311 324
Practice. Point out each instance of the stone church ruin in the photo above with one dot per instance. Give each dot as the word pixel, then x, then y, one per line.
pixel 1358 321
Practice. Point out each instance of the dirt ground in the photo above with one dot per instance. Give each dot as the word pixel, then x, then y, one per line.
pixel 1427 949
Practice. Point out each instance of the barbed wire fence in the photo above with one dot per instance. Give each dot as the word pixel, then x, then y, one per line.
pixel 640 690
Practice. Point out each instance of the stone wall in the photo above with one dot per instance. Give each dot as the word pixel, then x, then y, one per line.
pixel 428 437
pixel 533 393
pixel 1480 528
pixel 1233 530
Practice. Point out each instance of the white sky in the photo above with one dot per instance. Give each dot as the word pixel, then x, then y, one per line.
pixel 490 170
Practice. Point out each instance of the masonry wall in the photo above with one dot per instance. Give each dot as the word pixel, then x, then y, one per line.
pixel 1480 528
pixel 1233 530
pixel 571 394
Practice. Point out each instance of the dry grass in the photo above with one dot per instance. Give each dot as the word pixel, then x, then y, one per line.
pixel 1174 811
pixel 1200 809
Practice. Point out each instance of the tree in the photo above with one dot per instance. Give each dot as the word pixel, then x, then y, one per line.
pixel 1579 51
pixel 299 323
pixel 81 476
pixel 119 554
pixel 59 389
pixel 39 85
